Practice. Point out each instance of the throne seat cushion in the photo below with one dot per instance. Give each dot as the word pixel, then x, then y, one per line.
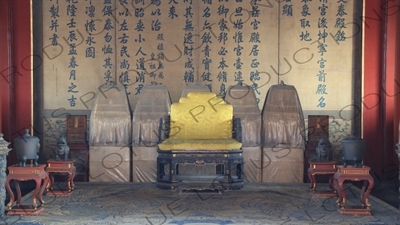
pixel 201 115
pixel 200 144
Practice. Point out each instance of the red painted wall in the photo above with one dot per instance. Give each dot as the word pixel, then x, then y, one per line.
pixel 15 69
pixel 397 85
pixel 372 101
pixel 379 117
pixel 4 61
pixel 390 83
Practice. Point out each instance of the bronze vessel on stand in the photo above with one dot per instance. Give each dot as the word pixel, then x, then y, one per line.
pixel 27 148
pixel 353 150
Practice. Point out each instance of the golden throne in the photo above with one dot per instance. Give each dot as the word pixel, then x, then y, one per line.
pixel 200 131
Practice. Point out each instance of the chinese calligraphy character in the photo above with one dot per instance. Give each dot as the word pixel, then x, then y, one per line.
pixel 222 51
pixel 189 76
pixel 323 9
pixel 72 62
pixel 322 23
pixel 155 25
pixel 238 64
pixel 238 77
pixel 339 36
pixel 189 12
pixel 54 11
pixel 206 76
pixel 238 50
pixel 340 23
pixel 206 37
pixel 90 52
pixel 71 88
pixel 254 50
pixel 172 12
pixel 321 63
pixel 255 24
pixel 54 25
pixel 139 26
pixel 287 10
pixel 321 103
pixel 222 10
pixel 206 62
pixel 222 76
pixel 238 37
pixel 255 37
pixel 305 36
pixel 107 63
pixel 321 89
pixel 254 75
pixel 322 35
pixel 72 100
pixel 321 76
pixel 304 23
pixel 305 10
pixel 341 11
pixel 222 64
pixel 139 51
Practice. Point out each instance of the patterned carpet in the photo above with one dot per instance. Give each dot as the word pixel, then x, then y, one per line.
pixel 144 203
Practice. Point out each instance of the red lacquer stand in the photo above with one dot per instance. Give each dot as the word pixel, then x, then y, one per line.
pixel 322 168
pixel 354 174
pixel 24 173
pixel 60 166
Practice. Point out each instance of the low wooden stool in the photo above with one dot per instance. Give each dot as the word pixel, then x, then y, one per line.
pixel 322 168
pixel 354 174
pixel 60 166
pixel 24 173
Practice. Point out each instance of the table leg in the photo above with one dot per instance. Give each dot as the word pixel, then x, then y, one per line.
pixel 331 184
pixel 69 181
pixel 342 194
pixel 36 192
pixel 72 180
pixel 48 186
pixel 45 184
pixel 18 189
pixel 365 191
pixel 314 182
pixel 311 182
pixel 51 181
pixel 10 193
pixel 339 193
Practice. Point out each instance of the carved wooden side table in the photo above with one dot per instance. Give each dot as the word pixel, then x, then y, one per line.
pixel 24 173
pixel 354 174
pixel 322 168
pixel 60 166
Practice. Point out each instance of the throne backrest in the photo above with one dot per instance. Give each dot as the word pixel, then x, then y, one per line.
pixel 201 115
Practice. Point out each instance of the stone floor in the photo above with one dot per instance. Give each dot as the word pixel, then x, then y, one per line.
pixel 387 191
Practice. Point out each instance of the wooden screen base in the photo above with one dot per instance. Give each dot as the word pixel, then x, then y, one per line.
pixel 355 211
pixel 24 210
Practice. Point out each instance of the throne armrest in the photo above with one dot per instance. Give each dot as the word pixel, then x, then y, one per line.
pixel 164 127
pixel 237 129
